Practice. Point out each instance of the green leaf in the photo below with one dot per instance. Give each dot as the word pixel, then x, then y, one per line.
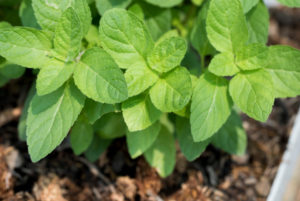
pixel 98 146
pixel 125 37
pixel 231 137
pixel 172 91
pixel 253 93
pixel 11 71
pixel 68 35
pixel 211 106
pixel 3 80
pixel 284 63
pixel 95 110
pixel 53 76
pixel 290 3
pixel 25 46
pixel 48 12
pixel 139 79
pixel 197 2
pixel 99 77
pixel 223 65
pixel 165 3
pixel 24 115
pixel 138 142
pixel 27 15
pixel 81 136
pixel 105 5
pixel 50 118
pixel 157 20
pixel 226 25
pixel 93 37
pixel 248 5
pixel 253 56
pixel 190 149
pixel 139 113
pixel 258 24
pixel 162 153
pixel 169 34
pixel 137 10
pixel 110 126
pixel 4 25
pixel 167 54
pixel 198 36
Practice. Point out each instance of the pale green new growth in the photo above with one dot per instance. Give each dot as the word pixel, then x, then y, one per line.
pixel 211 106
pixel 167 54
pixel 68 35
pixel 105 5
pixel 223 65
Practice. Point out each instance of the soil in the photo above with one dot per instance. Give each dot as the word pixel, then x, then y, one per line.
pixel 217 176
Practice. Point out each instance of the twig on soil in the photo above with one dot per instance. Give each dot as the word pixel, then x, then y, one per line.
pixel 9 115
pixel 94 170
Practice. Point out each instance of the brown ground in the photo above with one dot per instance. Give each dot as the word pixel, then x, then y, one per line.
pixel 115 177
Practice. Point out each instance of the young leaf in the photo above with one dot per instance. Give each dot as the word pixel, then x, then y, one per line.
pixel 190 149
pixel 248 5
pixel 157 20
pixel 258 24
pixel 138 142
pixel 139 113
pixel 161 154
pixel 172 91
pixel 95 110
pixel 105 5
pixel 125 37
pixel 165 3
pixel 50 118
pixel 223 64
pixel 24 115
pixel 290 3
pixel 25 46
pixel 284 65
pixel 68 35
pixel 211 106
pixel 110 126
pixel 167 54
pixel 251 57
pixel 98 146
pixel 53 76
pixel 81 136
pixel 99 77
pixel 253 93
pixel 139 79
pixel 92 37
pixel 231 137
pixel 27 15
pixel 198 37
pixel 226 25
pixel 48 12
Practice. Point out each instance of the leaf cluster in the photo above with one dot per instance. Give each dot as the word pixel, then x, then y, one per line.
pixel 155 72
